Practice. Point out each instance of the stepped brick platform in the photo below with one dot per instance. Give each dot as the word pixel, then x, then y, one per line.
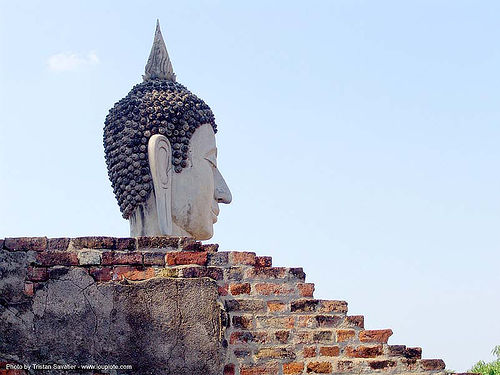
pixel 271 323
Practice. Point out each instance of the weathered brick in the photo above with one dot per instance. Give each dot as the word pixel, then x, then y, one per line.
pixel 322 336
pixel 121 257
pixel 239 337
pixel 125 244
pixel 413 353
pixel 306 289
pixel 266 369
pixel 319 367
pixel 96 242
pixel 303 337
pixel 101 273
pixel 154 259
pixel 229 369
pixel 214 273
pixel 267 289
pixel 243 321
pixel 186 257
pixel 237 289
pixel 160 242
pixel 382 364
pixel 356 320
pixel 189 244
pixel 306 321
pixel 275 353
pixel 210 248
pixel 304 305
pixel 275 322
pixel 266 272
pixel 276 306
pixel 57 258
pixel 329 321
pixel 263 261
pixel 29 289
pixel 327 306
pixel 57 272
pixel 344 366
pixel 61 243
pixel 329 351
pixel 89 257
pixel 169 272
pixel 293 368
pixel 218 259
pixel 282 336
pixel 223 289
pixel 309 352
pixel 345 334
pixel 245 305
pixel 132 273
pixel 432 364
pixel 234 273
pixel 242 258
pixel 363 351
pixel 375 335
pixel 242 353
pixel 37 274
pixel 25 243
pixel 297 273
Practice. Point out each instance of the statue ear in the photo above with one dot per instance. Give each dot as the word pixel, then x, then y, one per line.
pixel 160 164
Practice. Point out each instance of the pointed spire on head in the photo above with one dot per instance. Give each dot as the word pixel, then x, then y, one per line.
pixel 159 65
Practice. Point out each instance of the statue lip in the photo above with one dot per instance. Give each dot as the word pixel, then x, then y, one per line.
pixel 215 211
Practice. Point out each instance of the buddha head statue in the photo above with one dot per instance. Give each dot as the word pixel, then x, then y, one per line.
pixel 160 150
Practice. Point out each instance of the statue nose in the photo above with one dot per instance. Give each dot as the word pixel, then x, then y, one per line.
pixel 222 192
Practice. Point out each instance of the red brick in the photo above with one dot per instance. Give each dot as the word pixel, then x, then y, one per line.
pixel 237 289
pixel 306 289
pixel 57 258
pixel 210 248
pixel 382 364
pixel 267 289
pixel 293 368
pixel 267 369
pixel 319 367
pixel 263 261
pixel 125 244
pixel 58 243
pixel 154 259
pixel 132 273
pixel 432 364
pixel 101 274
pixel 37 274
pixel 242 321
pixel 26 243
pixel 375 335
pixel 243 337
pixel 29 289
pixel 242 258
pixel 121 257
pixel 187 257
pixel 297 273
pixel 276 306
pixel 309 352
pixel 345 334
pixel 229 369
pixel 303 337
pixel 189 244
pixel 95 242
pixel 363 351
pixel 332 306
pixel 223 289
pixel 356 320
pixel 304 305
pixel 159 242
pixel 329 351
pixel 306 321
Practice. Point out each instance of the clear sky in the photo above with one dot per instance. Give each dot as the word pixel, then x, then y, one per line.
pixel 360 140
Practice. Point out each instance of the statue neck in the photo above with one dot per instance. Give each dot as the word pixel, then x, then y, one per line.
pixel 144 221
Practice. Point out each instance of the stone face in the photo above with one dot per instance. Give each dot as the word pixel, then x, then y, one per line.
pixel 173 323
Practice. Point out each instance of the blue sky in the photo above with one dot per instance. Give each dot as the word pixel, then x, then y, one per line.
pixel 359 139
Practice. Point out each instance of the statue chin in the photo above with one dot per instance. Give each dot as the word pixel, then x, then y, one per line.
pixel 185 203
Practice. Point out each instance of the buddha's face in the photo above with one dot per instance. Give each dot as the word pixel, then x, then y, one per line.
pixel 199 188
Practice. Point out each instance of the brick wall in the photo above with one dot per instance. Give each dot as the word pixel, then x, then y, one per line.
pixel 273 323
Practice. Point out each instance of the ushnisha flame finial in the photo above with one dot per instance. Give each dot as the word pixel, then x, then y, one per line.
pixel 159 65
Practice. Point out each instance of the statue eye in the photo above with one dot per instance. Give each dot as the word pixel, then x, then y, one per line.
pixel 211 162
